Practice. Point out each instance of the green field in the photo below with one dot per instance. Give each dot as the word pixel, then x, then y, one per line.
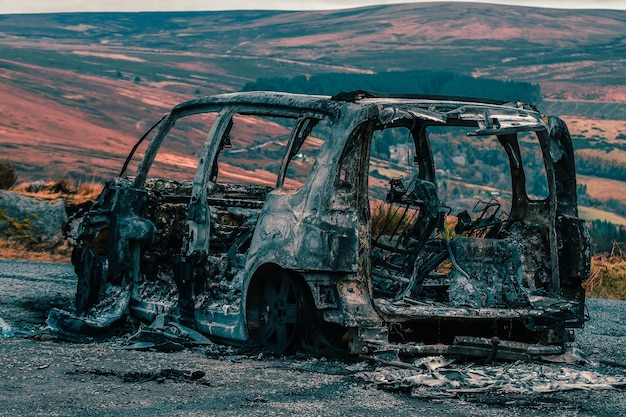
pixel 590 213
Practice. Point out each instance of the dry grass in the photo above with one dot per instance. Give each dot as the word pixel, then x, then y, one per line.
pixel 387 219
pixel 608 276
pixel 69 190
pixel 28 252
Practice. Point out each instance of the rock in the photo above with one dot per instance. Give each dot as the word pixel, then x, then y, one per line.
pixel 24 217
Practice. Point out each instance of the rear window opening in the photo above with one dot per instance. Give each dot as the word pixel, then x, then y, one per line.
pixel 441 227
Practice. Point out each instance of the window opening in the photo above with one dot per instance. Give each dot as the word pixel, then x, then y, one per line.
pixel 177 158
pixel 534 166
pixel 252 150
pixel 472 172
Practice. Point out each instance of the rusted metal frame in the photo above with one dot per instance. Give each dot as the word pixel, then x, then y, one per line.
pixel 574 241
pixel 364 133
pixel 330 169
pixel 432 261
pixel 354 154
pixel 544 138
pixel 270 99
pixel 542 212
pixel 492 120
pixel 423 152
pixel 127 227
pixel 519 199
pixel 563 159
pixel 132 151
pixel 198 219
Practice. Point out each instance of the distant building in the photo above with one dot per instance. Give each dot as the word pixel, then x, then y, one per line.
pixel 398 153
pixel 459 160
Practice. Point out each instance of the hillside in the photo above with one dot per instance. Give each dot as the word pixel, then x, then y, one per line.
pixel 77 90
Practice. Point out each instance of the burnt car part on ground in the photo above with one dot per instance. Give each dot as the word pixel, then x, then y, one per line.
pixel 292 227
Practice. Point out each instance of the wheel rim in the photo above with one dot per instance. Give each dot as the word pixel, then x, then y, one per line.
pixel 279 314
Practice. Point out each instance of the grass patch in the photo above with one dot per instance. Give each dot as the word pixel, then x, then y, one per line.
pixel 608 276
pixel 387 219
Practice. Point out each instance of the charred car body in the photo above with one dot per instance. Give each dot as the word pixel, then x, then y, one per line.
pixel 340 244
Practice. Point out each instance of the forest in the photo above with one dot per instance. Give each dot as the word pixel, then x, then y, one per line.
pixel 402 82
pixel 600 167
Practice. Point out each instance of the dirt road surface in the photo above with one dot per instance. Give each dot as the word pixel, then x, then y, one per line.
pixel 43 376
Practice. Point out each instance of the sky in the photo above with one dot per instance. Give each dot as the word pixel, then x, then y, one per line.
pixel 57 6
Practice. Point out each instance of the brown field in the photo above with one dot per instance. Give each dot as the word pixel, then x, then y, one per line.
pixel 607 130
pixel 604 188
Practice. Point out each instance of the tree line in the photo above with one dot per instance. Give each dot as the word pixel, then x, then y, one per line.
pixel 402 82
pixel 604 235
pixel 600 167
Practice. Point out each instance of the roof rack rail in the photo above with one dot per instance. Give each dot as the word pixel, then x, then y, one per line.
pixel 353 96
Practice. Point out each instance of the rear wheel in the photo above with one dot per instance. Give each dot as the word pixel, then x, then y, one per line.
pixel 280 313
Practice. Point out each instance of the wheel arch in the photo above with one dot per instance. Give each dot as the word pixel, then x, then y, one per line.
pixel 255 289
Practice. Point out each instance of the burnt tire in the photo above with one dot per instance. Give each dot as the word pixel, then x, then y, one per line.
pixel 281 314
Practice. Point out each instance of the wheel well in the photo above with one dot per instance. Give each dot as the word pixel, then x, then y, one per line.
pixel 314 334
pixel 255 290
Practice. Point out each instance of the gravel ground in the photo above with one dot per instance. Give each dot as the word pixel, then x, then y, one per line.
pixel 43 376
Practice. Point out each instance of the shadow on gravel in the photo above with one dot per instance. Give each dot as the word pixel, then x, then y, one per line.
pixel 532 403
pixel 175 375
pixel 40 307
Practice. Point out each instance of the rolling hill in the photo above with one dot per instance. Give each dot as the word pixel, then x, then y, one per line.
pixel 77 90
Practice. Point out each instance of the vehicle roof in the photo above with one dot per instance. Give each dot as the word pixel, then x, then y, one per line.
pixel 264 98
pixel 331 103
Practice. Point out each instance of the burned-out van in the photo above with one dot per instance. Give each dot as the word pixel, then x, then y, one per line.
pixel 416 223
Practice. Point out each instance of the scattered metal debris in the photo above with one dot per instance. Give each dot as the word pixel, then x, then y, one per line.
pixel 436 376
pixel 5 329
pixel 320 252
pixel 165 336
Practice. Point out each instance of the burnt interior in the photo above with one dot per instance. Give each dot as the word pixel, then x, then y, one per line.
pixel 233 210
pixel 440 272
